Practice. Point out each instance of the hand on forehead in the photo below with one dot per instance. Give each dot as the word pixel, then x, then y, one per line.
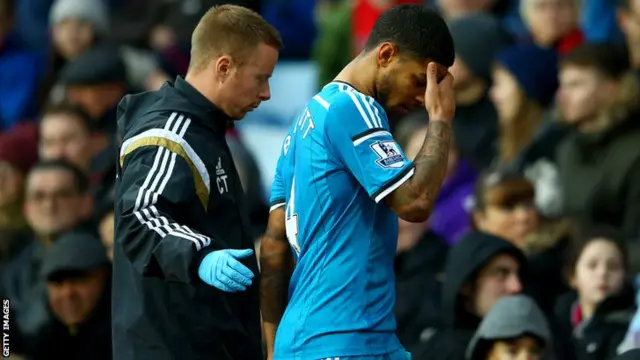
pixel 441 70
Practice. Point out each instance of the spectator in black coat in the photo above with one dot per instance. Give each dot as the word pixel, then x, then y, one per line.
pixel 480 269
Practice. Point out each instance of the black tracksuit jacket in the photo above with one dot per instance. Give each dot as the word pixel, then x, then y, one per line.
pixel 178 198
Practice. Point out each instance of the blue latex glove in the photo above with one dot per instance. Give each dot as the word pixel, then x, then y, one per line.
pixel 222 270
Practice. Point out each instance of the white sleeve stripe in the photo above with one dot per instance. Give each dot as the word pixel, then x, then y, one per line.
pixel 149 215
pixel 368 102
pixel 175 137
pixel 376 120
pixel 154 184
pixel 391 188
pixel 322 102
pixel 175 229
pixel 363 114
pixel 276 206
pixel 143 189
pixel 161 225
pixel 199 236
pixel 359 141
pixel 375 110
pixel 150 197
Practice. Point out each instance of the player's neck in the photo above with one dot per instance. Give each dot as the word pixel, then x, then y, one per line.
pixel 358 74
pixel 201 82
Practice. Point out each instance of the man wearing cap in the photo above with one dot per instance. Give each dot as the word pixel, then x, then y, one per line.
pixel 77 273
pixel 183 259
pixel 96 80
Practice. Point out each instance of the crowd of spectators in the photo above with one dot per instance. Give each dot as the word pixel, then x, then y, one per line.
pixel 532 249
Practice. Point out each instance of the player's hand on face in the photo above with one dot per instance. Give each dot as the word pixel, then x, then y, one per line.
pixel 438 97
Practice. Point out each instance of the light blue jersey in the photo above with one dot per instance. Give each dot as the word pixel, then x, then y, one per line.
pixel 338 162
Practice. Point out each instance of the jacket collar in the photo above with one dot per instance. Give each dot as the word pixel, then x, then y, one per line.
pixel 211 114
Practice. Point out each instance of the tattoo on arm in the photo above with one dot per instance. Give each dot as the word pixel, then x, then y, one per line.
pixel 414 200
pixel 275 269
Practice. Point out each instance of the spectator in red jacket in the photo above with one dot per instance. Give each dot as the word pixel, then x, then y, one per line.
pixel 553 23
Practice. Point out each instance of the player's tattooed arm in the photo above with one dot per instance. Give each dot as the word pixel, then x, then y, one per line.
pixel 414 199
pixel 275 272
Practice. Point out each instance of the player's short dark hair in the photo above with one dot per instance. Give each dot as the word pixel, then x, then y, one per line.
pixel 65 108
pixel 80 178
pixel 416 31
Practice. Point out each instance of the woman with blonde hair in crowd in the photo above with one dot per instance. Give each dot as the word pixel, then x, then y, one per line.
pixel 524 84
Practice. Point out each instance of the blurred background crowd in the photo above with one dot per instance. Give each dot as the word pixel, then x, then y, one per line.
pixel 533 247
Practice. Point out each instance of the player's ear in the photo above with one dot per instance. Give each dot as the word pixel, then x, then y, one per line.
pixel 386 53
pixel 223 67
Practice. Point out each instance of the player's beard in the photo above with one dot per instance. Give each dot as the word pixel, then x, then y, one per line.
pixel 383 90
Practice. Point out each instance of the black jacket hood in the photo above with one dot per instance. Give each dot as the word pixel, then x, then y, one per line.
pixel 465 260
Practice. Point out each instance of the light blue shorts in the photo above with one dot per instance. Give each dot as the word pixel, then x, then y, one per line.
pixel 396 355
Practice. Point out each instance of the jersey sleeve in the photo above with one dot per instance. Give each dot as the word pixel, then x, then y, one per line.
pixel 358 133
pixel 277 197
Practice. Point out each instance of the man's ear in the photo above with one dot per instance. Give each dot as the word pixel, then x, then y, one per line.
pixel 386 53
pixel 223 67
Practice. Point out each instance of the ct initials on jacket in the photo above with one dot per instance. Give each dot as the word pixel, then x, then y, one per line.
pixel 178 198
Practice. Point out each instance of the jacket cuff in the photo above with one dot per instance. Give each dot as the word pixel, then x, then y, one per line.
pixel 197 260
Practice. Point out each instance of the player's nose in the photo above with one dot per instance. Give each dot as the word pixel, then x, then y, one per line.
pixel 265 93
pixel 265 96
pixel 420 99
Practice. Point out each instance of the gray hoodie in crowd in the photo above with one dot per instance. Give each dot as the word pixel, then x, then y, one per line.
pixel 511 317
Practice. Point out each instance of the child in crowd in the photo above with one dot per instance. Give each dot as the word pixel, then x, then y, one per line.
pixel 597 314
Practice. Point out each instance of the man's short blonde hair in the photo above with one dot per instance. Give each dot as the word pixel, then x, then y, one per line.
pixel 232 30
